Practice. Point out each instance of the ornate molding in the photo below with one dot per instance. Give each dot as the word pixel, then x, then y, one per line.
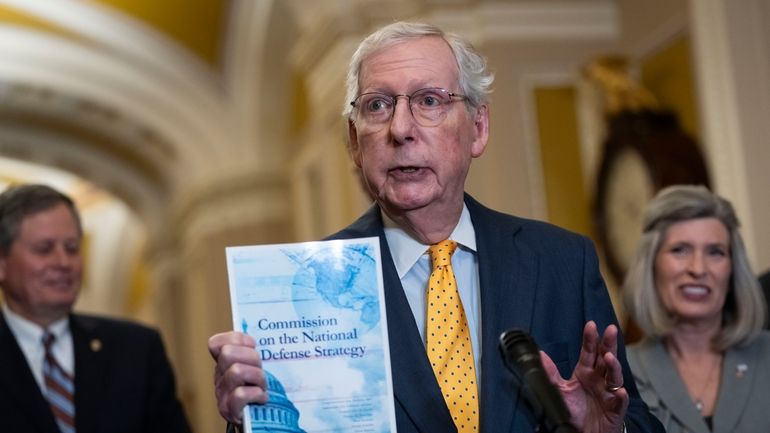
pixel 104 126
pixel 240 196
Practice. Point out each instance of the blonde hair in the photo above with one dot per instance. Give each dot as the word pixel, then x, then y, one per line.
pixel 744 312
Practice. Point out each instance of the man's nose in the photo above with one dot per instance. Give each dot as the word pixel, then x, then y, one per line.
pixel 402 121
pixel 62 257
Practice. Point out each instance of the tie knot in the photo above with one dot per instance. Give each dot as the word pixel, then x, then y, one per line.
pixel 441 253
pixel 48 339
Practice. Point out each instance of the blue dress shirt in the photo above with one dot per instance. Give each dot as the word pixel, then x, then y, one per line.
pixel 413 266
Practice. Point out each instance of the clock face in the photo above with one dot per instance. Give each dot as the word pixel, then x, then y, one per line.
pixel 644 151
pixel 629 187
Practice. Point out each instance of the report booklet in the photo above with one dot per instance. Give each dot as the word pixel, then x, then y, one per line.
pixel 317 312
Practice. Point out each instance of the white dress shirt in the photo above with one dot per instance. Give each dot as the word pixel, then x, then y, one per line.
pixel 29 336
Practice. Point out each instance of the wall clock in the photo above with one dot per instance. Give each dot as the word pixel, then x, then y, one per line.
pixel 645 151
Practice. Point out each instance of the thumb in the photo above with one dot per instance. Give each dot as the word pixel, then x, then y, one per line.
pixel 550 369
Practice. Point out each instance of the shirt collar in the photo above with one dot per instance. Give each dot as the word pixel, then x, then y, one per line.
pixel 406 250
pixel 26 330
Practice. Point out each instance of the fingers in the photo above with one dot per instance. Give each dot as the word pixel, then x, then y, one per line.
pixel 550 368
pixel 232 337
pixel 237 387
pixel 588 351
pixel 615 398
pixel 616 404
pixel 238 375
pixel 610 340
pixel 593 347
pixel 236 359
pixel 613 374
pixel 598 363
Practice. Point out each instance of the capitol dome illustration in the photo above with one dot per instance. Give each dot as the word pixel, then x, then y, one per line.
pixel 278 415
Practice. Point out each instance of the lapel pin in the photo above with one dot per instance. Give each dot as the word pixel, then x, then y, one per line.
pixel 96 345
pixel 740 370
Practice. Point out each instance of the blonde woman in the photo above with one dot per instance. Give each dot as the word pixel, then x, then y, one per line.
pixel 703 365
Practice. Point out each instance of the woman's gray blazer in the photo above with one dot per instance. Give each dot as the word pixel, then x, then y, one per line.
pixel 743 403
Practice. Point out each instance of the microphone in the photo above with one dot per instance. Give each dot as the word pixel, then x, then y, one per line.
pixel 522 357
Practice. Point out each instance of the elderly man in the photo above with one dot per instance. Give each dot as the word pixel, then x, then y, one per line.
pixel 66 372
pixel 418 115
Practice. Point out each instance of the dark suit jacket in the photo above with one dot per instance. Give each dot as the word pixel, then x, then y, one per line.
pixel 124 386
pixel 533 276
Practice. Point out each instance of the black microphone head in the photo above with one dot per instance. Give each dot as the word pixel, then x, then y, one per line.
pixel 518 349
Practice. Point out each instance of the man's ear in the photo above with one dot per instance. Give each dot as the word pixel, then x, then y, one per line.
pixel 480 130
pixel 353 148
pixel 3 264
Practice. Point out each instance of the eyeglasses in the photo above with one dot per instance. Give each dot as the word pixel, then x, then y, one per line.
pixel 428 106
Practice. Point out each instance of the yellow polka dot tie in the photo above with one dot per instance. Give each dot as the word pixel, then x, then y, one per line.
pixel 449 342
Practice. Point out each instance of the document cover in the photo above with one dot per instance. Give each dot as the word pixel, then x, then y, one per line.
pixel 317 312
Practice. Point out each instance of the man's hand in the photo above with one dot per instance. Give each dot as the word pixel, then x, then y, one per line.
pixel 238 376
pixel 594 394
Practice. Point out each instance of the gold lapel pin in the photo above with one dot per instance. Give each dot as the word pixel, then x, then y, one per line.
pixel 96 345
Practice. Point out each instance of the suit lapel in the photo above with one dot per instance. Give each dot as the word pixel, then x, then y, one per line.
pixel 507 301
pixel 89 374
pixel 16 379
pixel 738 377
pixel 663 376
pixel 414 385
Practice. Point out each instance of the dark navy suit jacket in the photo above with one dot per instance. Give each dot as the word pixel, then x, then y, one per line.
pixel 123 382
pixel 534 276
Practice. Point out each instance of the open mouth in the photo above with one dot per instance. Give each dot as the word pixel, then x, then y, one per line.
pixel 697 291
pixel 408 169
